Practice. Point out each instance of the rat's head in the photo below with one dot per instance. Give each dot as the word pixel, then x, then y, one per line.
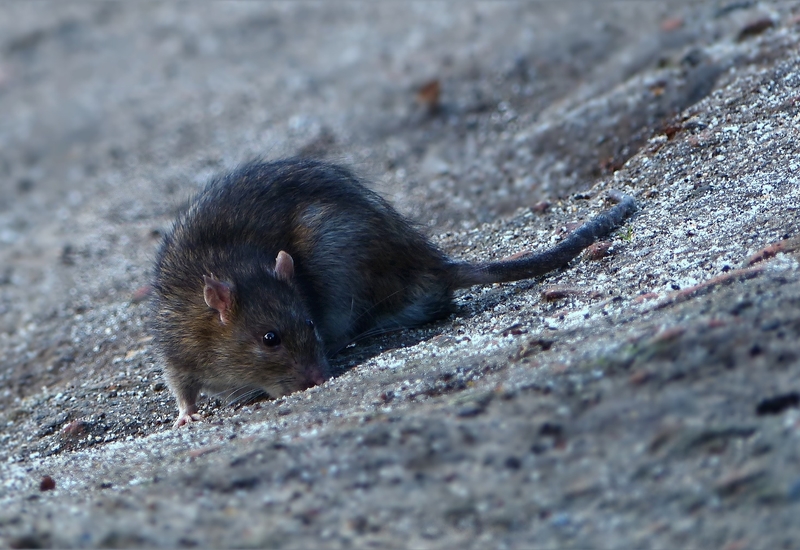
pixel 269 340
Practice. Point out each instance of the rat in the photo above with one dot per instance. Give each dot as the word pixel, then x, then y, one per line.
pixel 277 266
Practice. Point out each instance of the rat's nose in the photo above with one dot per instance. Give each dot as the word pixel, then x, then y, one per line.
pixel 314 376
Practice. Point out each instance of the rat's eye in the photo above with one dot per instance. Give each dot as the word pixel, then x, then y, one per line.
pixel 271 339
pixel 310 323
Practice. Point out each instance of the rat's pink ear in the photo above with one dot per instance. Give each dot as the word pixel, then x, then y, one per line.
pixel 218 296
pixel 284 267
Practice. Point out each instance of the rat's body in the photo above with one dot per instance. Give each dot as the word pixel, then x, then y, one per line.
pixel 279 265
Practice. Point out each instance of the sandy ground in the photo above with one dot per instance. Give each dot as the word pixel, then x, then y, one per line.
pixel 647 399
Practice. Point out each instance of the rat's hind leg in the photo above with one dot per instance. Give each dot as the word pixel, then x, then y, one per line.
pixel 427 305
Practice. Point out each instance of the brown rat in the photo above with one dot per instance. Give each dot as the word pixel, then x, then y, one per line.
pixel 278 265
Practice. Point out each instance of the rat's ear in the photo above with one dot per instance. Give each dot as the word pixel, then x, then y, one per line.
pixel 284 267
pixel 218 296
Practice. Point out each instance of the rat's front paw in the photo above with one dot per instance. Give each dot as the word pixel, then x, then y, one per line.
pixel 187 417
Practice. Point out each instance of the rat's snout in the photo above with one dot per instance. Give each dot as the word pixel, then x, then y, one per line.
pixel 313 376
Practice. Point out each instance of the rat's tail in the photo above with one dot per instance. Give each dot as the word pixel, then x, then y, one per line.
pixel 532 265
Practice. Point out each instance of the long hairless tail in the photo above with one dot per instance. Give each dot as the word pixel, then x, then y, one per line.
pixel 533 265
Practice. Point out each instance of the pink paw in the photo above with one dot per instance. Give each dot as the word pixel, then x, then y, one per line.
pixel 187 418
